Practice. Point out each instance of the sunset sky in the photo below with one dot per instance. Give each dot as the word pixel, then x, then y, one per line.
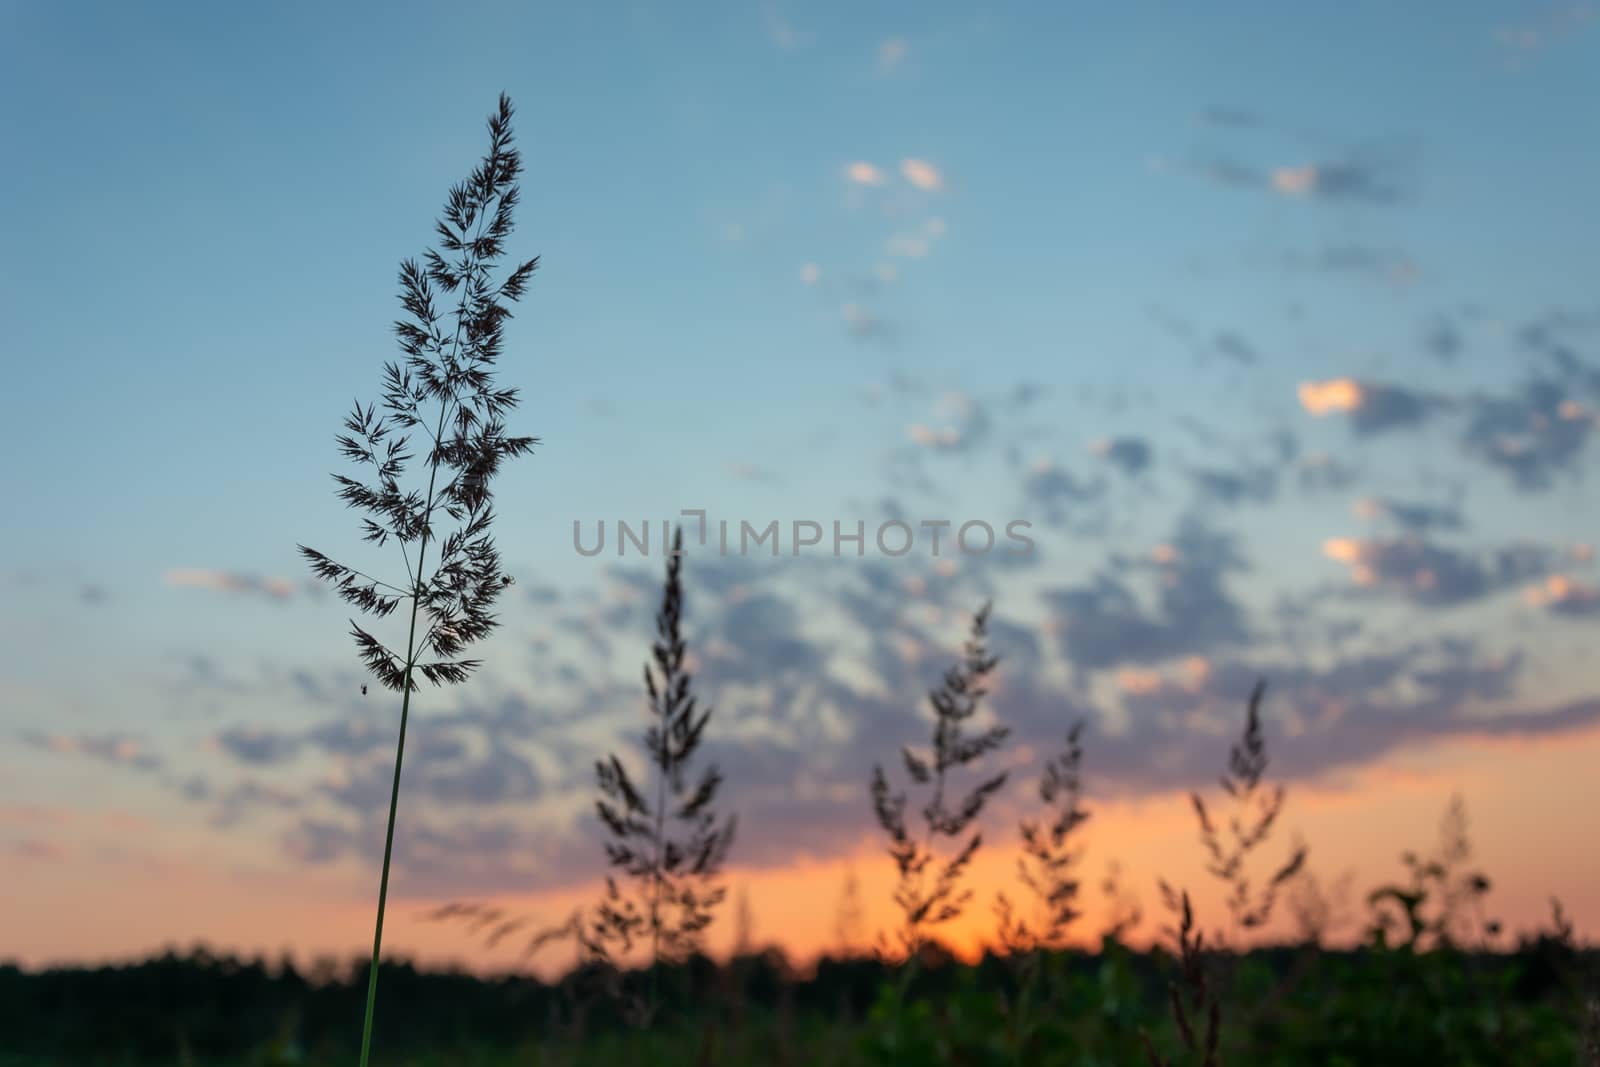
pixel 1279 328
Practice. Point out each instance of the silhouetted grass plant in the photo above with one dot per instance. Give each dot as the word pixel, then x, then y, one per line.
pixel 1045 869
pixel 1440 995
pixel 1125 910
pixel 670 846
pixel 1255 808
pixel 1440 905
pixel 1196 1010
pixel 929 891
pixel 1045 866
pixel 1318 911
pixel 449 362
pixel 849 920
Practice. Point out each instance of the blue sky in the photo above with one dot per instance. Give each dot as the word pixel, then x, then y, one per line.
pixel 783 247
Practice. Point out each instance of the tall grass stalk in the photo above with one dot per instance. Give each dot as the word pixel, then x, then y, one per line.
pixel 1192 1001
pixel 449 363
pixel 672 846
pixel 954 703
pixel 1256 808
pixel 1046 869
pixel 923 905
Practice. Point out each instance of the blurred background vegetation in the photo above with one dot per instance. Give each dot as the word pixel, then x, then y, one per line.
pixel 1291 1004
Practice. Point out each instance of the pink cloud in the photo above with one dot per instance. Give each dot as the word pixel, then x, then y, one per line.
pixel 922 174
pixel 229 582
pixel 864 173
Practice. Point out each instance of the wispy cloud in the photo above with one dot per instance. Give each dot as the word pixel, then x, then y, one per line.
pixel 1233 345
pixel 1250 484
pixel 230 582
pixel 1520 42
pixel 1320 471
pixel 1295 181
pixel 861 323
pixel 864 173
pixel 1531 434
pixel 1062 498
pixel 922 174
pixel 1372 180
pixel 890 54
pixel 1373 407
pixel 750 472
pixel 1562 595
pixel 960 421
pixel 1104 623
pixel 1335 394
pixel 1233 118
pixel 1131 455
pixel 120 749
pixel 1378 175
pixel 1391 266
pixel 1412 516
pixel 783 33
pixel 907 246
pixel 916 244
pixel 1433 575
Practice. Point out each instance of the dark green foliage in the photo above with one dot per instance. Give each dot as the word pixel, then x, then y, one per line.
pixel 1367 1007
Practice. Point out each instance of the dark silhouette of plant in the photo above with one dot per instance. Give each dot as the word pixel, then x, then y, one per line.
pixel 496 924
pixel 1202 1004
pixel 671 846
pixel 449 361
pixel 848 920
pixel 1318 910
pixel 593 977
pixel 674 872
pixel 1256 808
pixel 1432 905
pixel 744 924
pixel 1045 866
pixel 1125 911
pixel 928 902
